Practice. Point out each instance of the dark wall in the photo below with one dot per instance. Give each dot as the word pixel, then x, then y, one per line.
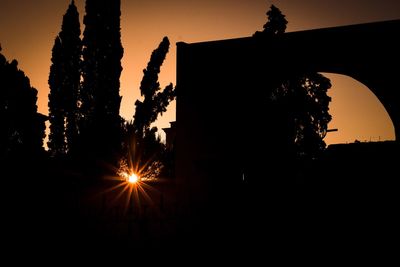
pixel 222 91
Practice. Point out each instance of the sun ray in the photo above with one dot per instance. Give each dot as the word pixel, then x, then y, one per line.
pixel 135 177
pixel 127 202
pixel 146 196
pixel 119 194
pixel 136 198
pixel 113 188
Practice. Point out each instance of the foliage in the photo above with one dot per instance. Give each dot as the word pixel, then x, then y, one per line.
pixel 71 51
pixel 276 23
pixel 303 104
pixel 22 127
pixel 300 101
pixel 56 141
pixel 64 81
pixel 154 102
pixel 145 147
pixel 100 123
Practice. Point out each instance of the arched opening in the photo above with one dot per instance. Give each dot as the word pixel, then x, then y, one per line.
pixel 356 112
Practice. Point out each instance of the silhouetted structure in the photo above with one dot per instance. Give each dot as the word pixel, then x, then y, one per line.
pixel 80 215
pixel 168 157
pixel 170 135
pixel 235 74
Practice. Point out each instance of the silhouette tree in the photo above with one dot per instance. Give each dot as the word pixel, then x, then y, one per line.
pixel 64 81
pixel 56 143
pixel 154 102
pixel 71 52
pixel 22 129
pixel 276 23
pixel 316 118
pixel 148 149
pixel 303 106
pixel 300 99
pixel 100 123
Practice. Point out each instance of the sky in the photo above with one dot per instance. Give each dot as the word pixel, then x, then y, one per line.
pixel 28 29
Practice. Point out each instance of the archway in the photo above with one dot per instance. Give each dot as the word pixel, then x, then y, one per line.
pixel 356 112
pixel 220 87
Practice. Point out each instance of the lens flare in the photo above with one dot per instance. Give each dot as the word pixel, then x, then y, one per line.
pixel 133 178
pixel 132 188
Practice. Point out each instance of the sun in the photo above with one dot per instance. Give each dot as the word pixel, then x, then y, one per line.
pixel 133 178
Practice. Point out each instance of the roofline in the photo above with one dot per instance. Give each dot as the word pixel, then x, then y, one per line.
pixel 347 27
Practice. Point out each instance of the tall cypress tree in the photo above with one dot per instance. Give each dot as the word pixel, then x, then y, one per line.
pixel 64 81
pixel 56 142
pixel 71 51
pixel 102 54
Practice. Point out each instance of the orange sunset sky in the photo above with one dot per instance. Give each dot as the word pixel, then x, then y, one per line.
pixel 28 29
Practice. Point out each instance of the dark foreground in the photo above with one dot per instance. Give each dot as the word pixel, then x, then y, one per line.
pixel 343 205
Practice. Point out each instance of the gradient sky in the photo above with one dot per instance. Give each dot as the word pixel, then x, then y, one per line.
pixel 28 29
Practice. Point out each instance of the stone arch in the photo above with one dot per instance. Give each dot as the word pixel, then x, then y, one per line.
pixel 221 84
pixel 360 106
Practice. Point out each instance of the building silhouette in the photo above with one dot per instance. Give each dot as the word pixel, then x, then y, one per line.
pixel 223 83
pixel 170 135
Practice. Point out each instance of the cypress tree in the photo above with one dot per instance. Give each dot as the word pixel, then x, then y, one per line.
pixel 71 51
pixel 56 143
pixel 64 82
pixel 102 54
